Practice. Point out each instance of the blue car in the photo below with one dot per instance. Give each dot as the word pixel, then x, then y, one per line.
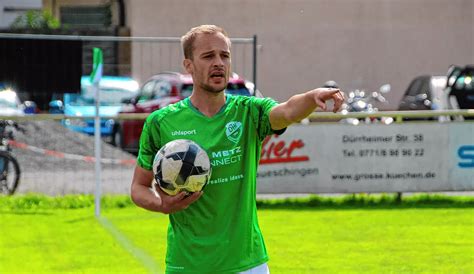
pixel 113 90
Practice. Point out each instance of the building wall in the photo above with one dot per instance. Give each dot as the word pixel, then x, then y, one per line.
pixel 303 43
pixel 11 9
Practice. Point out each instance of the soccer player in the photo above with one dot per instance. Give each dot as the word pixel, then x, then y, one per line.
pixel 216 230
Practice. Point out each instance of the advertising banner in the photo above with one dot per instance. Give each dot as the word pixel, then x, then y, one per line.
pixel 337 158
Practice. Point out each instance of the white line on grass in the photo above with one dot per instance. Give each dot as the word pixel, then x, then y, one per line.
pixel 146 260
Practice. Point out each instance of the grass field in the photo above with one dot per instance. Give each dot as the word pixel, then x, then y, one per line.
pixel 355 234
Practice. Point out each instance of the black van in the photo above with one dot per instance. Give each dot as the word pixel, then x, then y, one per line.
pixel 460 87
pixel 453 91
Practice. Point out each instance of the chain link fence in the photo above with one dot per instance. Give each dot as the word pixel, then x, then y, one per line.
pixel 54 159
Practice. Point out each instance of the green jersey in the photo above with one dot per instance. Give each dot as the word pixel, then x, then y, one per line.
pixel 219 233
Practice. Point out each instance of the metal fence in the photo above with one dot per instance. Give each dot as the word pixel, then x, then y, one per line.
pixel 57 161
pixel 35 70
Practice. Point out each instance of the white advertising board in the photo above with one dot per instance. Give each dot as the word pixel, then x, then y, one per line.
pixel 337 158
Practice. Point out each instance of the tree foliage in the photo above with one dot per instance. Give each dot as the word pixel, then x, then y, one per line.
pixel 34 19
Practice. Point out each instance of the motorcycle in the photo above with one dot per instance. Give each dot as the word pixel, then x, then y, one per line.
pixel 362 101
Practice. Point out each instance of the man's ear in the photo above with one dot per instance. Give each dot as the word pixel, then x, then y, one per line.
pixel 188 65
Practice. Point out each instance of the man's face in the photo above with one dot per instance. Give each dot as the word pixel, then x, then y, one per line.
pixel 211 62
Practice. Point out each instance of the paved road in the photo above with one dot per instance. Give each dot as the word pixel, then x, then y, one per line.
pixel 114 181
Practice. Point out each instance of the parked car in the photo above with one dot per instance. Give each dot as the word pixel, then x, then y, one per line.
pixel 113 90
pixel 453 91
pixel 460 87
pixel 11 105
pixel 159 91
pixel 425 93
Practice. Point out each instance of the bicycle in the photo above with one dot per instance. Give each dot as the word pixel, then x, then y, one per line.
pixel 9 167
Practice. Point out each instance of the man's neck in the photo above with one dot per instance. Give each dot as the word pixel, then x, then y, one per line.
pixel 208 103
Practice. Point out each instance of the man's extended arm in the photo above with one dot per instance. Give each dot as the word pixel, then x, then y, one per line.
pixel 301 105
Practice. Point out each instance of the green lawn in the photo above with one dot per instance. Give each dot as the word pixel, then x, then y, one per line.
pixel 337 238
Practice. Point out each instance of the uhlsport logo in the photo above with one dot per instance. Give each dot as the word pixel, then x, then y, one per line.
pixel 233 130
pixel 183 132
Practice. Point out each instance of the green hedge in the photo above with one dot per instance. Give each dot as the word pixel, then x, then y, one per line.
pixel 39 201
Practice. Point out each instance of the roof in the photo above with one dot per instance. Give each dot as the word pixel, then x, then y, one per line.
pixel 122 82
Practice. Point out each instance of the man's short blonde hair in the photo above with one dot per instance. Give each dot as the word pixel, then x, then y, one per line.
pixel 187 40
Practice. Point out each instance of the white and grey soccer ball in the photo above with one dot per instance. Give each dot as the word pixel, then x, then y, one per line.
pixel 181 165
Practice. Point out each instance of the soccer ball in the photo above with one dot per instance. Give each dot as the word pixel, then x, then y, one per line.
pixel 181 165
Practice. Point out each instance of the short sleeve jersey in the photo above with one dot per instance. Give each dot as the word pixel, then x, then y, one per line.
pixel 219 233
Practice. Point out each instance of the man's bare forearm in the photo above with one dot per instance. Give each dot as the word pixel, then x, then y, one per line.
pixel 143 197
pixel 294 110
pixel 301 105
pixel 141 193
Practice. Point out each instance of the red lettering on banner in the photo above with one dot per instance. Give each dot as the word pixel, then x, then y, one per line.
pixel 274 151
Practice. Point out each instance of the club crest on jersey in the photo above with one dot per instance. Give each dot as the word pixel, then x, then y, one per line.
pixel 233 130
